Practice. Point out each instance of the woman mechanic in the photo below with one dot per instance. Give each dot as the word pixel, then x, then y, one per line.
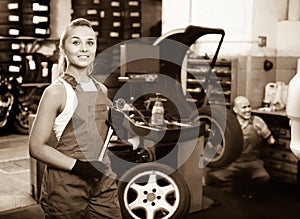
pixel 75 107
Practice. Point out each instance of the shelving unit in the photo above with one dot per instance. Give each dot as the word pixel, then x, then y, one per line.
pixel 223 80
pixel 25 24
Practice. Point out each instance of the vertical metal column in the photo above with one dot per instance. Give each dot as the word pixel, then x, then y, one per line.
pixel 192 173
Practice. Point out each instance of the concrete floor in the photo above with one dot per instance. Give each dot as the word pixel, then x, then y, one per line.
pixel 15 186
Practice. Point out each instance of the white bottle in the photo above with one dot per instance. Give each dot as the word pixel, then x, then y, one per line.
pixel 157 115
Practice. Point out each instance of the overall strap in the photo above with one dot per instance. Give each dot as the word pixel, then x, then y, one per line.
pixel 71 80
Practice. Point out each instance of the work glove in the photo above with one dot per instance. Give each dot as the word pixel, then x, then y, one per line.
pixel 88 170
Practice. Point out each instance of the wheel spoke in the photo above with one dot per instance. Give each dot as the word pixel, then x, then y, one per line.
pixel 152 179
pixel 136 187
pixel 165 190
pixel 165 205
pixel 150 213
pixel 136 204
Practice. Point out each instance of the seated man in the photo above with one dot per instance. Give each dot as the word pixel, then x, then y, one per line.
pixel 247 169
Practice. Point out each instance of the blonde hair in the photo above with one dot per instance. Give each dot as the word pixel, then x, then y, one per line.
pixel 62 62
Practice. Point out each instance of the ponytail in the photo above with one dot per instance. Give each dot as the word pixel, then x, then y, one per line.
pixel 62 64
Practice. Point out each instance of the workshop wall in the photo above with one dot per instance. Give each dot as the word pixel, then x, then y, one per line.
pixel 252 77
pixel 256 19
pixel 263 32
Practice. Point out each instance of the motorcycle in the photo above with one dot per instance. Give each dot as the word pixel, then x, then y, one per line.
pixel 16 103
pixel 20 93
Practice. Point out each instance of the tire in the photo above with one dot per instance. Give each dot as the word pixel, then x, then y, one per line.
pixel 20 122
pixel 146 155
pixel 167 197
pixel 227 136
pixel 20 127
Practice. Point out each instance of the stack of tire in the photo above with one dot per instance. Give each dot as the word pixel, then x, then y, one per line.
pixel 111 32
pixel 25 18
pixel 30 18
pixel 10 57
pixel 89 9
pixel 36 18
pixel 10 18
pixel 10 26
pixel 132 19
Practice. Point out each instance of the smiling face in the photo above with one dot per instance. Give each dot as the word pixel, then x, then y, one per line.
pixel 80 47
pixel 242 108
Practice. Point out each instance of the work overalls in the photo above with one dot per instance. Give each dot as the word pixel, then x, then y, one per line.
pixel 248 163
pixel 64 195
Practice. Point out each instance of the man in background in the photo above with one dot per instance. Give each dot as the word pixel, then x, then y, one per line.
pixel 246 174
